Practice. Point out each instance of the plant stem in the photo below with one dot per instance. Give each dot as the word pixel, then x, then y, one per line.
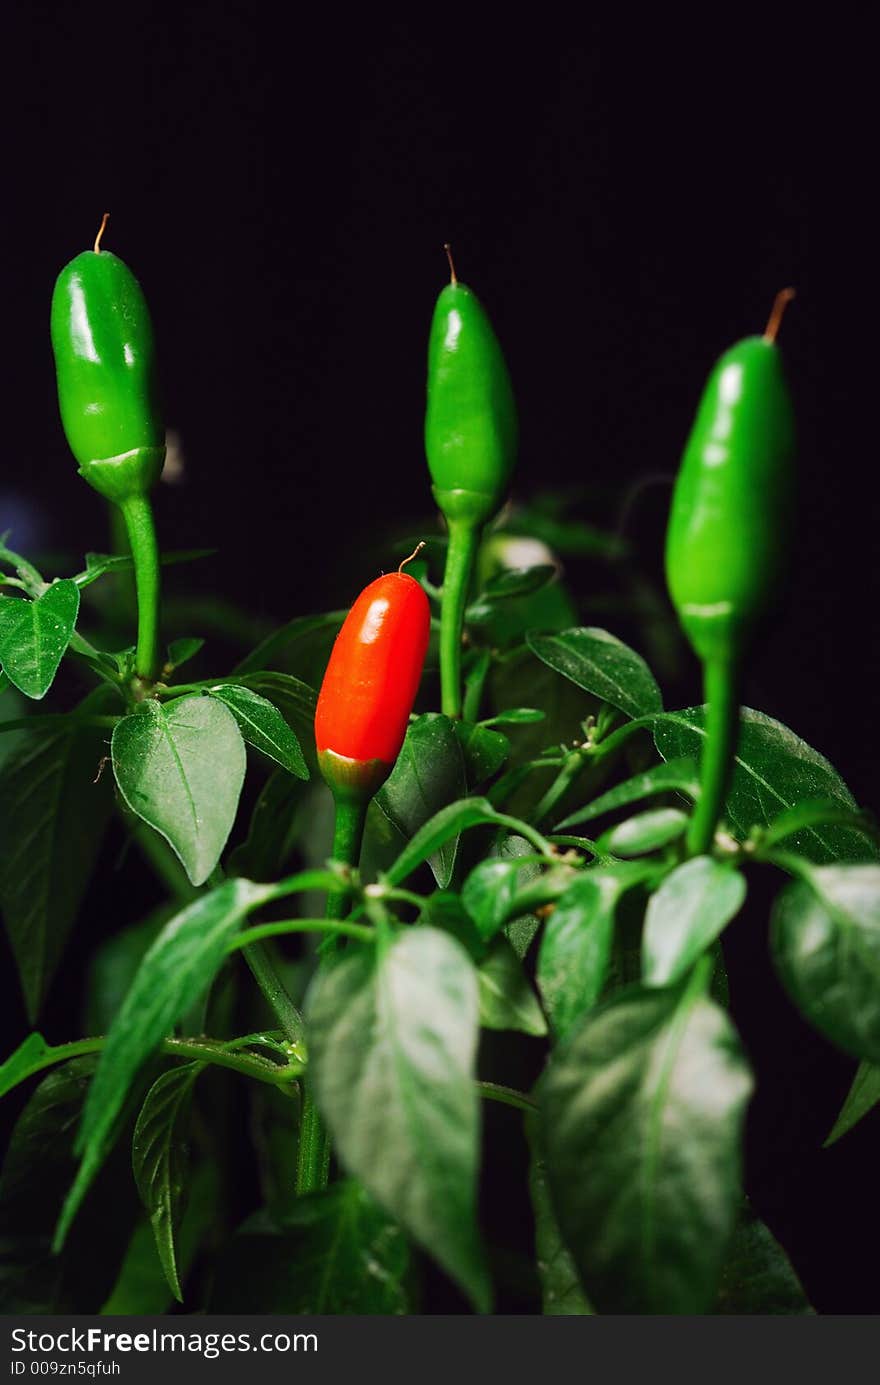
pixel 571 768
pixel 358 931
pixel 138 515
pixel 464 540
pixel 262 964
pixel 719 747
pixel 313 1154
pixel 493 1091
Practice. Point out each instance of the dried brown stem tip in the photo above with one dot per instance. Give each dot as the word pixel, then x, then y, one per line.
pixel 104 219
pixel 780 303
pixel 453 279
pixel 416 551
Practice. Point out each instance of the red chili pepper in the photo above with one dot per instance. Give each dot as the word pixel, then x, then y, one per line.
pixel 370 685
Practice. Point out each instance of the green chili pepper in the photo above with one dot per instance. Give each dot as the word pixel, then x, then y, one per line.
pixel 732 504
pixel 471 440
pixel 103 343
pixel 727 536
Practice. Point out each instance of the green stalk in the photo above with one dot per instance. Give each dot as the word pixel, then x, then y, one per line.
pixel 138 515
pixel 571 768
pixel 313 1155
pixel 719 747
pixel 262 965
pixel 464 541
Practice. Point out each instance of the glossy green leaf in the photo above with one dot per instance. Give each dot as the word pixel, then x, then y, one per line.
pixel 507 1000
pixel 826 945
pixel 816 812
pixel 686 914
pixel 757 1277
pixel 176 971
pixel 503 622
pixel 35 634
pixel 287 640
pixel 53 816
pixel 392 1045
pixel 682 776
pixel 450 822
pixel 159 1158
pixel 141 1286
pixel 641 1123
pixel 520 932
pixel 485 751
pixel 561 1291
pixel 296 702
pixel 518 581
pixel 428 774
pixel 774 770
pixel 516 716
pixel 334 1252
pixel 602 665
pixel 114 965
pixel 180 768
pixel 262 726
pixel 576 943
pixel 645 832
pixel 861 1098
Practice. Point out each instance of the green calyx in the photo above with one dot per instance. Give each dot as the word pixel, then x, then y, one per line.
pixel 352 781
pixel 471 429
pixel 102 338
pixel 731 509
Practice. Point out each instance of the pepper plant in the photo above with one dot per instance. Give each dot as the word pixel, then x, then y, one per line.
pixel 346 998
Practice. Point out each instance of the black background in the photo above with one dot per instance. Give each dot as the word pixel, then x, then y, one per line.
pixel 626 199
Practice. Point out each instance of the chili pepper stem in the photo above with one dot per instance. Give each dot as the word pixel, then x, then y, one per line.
pixel 719 748
pixel 138 515
pixel 313 1154
pixel 464 540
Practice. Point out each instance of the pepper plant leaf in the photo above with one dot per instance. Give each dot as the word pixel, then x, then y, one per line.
pixel 262 726
pixel 679 775
pixel 333 1252
pixel 295 700
pixel 576 944
pixel 686 914
pixel 181 769
pixel 757 1277
pixel 35 634
pixel 484 751
pixel 53 816
pixel 644 832
pixel 825 933
pixel 507 1000
pixel 773 770
pixel 602 665
pixel 159 1158
pixel 175 972
pixel 861 1098
pixel 392 1049
pixel 641 1125
pixel 562 1294
pixel 428 774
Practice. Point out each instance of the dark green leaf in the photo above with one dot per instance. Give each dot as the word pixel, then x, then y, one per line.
pixel 602 665
pixel 334 1252
pixel 272 831
pixel 520 932
pixel 689 911
pixel 97 564
pixel 861 1098
pixel 495 892
pixel 181 769
pixel 680 775
pixel 286 640
pixel 484 751
pixel 114 965
pixel 518 581
pixel 507 1000
pixel 826 946
pixel 392 1043
pixel 428 774
pixel 159 1158
pixel 450 822
pixel 263 727
pixel 644 832
pixel 816 812
pixel 35 634
pixel 53 816
pixel 295 700
pixel 516 716
pixel 641 1121
pixel 757 1277
pixel 503 622
pixel 182 650
pixel 773 771
pixel 175 972
pixel 576 945
pixel 561 1292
